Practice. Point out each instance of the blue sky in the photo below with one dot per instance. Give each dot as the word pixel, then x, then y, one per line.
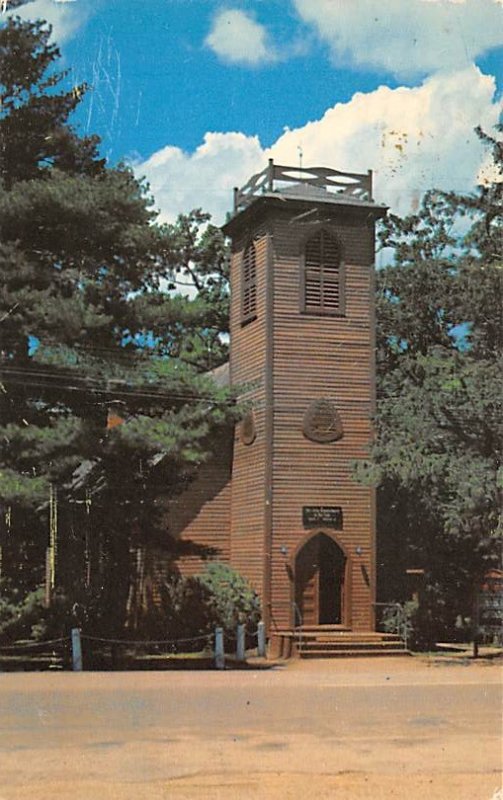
pixel 197 94
pixel 174 88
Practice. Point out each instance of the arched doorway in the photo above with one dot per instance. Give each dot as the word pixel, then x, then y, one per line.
pixel 320 577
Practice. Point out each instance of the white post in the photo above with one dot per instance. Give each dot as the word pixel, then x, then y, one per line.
pixel 76 650
pixel 219 649
pixel 240 643
pixel 261 651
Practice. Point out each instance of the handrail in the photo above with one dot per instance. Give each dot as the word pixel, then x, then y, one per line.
pixel 353 184
pixel 297 613
pixel 402 619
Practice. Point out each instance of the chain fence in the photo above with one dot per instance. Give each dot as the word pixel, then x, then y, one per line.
pixel 80 650
pixel 26 655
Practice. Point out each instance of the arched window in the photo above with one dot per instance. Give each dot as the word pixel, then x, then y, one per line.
pixel 248 284
pixel 322 275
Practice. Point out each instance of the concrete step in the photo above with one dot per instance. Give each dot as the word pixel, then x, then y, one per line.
pixel 322 645
pixel 337 628
pixel 325 641
pixel 344 637
pixel 352 653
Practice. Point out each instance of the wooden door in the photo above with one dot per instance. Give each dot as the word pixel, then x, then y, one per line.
pixel 307 583
pixel 319 583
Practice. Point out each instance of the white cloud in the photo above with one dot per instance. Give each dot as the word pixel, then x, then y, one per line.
pixel 65 16
pixel 237 39
pixel 405 37
pixel 413 138
pixel 180 181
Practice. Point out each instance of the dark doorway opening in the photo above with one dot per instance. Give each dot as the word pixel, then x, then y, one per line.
pixel 320 569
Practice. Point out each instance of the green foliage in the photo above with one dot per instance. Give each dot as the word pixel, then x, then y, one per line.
pixel 183 611
pixel 194 606
pixel 34 130
pixel 437 456
pixel 398 618
pixel 420 624
pixel 25 614
pixel 20 612
pixel 231 598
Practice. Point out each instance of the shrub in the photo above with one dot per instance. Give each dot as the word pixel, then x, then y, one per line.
pixel 192 607
pixel 399 618
pixel 183 611
pixel 231 598
pixel 423 624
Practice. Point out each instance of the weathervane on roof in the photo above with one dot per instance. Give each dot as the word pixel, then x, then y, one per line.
pixel 300 152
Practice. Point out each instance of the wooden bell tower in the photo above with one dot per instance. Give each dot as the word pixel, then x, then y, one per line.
pixel 302 353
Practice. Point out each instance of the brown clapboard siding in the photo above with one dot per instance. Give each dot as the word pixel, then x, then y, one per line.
pixel 198 521
pixel 247 370
pixel 330 357
pixel 199 517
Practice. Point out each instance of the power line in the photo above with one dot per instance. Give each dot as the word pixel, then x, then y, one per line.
pixel 130 351
pixel 134 395
pixel 17 376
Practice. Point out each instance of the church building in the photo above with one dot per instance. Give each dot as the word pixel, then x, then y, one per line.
pixel 279 501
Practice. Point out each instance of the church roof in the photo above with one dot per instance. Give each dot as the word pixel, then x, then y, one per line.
pixel 221 375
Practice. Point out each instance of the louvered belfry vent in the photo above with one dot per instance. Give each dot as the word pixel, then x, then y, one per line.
pixel 322 258
pixel 249 284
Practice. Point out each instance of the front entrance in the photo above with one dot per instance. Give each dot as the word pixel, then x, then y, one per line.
pixel 320 569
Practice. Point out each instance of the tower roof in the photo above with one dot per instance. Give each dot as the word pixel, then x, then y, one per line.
pixel 317 185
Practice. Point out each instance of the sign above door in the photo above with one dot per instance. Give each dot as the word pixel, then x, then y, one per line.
pixel 322 516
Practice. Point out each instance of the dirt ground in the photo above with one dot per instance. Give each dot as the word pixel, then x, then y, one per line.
pixel 362 729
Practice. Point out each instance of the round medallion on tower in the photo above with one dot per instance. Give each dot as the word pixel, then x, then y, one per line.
pixel 322 422
pixel 247 429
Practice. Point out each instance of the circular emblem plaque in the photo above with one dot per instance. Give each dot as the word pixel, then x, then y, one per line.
pixel 247 431
pixel 322 422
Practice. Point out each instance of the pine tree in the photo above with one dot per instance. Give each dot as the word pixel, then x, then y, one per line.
pixel 89 325
pixel 437 458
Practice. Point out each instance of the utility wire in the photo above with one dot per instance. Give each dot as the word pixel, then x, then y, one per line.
pixel 126 394
pixel 24 376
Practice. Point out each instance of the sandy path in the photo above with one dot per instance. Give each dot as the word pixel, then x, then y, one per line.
pixel 362 729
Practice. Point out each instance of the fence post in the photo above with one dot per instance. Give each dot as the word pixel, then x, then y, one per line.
pixel 219 649
pixel 76 650
pixel 261 640
pixel 240 643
